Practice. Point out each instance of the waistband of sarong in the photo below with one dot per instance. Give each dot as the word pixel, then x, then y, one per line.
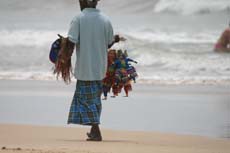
pixel 89 83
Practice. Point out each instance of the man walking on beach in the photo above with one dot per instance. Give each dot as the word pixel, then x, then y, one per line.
pixel 92 32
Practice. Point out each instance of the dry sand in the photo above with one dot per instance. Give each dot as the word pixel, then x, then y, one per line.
pixel 38 139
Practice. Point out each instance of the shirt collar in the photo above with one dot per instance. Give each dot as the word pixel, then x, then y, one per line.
pixel 91 10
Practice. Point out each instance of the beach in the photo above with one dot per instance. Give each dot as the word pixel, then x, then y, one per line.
pixel 182 109
pixel 38 139
pixel 155 118
pixel 180 103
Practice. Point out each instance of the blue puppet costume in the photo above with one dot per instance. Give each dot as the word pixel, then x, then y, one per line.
pixel 129 68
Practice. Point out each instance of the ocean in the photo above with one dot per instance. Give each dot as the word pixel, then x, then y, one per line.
pixel 172 40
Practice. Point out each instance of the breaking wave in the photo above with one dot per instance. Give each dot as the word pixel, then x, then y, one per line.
pixel 35 38
pixel 28 38
pixel 192 7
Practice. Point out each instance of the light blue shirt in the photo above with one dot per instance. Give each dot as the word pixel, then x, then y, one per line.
pixel 92 32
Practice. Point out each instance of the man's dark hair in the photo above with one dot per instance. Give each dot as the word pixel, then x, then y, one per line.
pixel 92 4
pixel 83 4
pixel 88 4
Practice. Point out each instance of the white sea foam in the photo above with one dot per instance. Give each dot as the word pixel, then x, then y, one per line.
pixel 193 6
pixel 27 38
pixel 169 57
pixel 169 48
pixel 174 37
pixel 34 38
pixel 22 75
pixel 143 79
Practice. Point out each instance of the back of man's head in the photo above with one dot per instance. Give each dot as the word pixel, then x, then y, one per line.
pixel 83 4
pixel 92 3
pixel 89 3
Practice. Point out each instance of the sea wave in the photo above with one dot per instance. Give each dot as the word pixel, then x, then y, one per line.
pixel 174 37
pixel 155 80
pixel 26 75
pixel 36 38
pixel 164 57
pixel 192 7
pixel 27 38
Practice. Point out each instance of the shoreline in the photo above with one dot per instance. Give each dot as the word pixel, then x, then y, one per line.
pixel 185 109
pixel 46 139
pixel 155 82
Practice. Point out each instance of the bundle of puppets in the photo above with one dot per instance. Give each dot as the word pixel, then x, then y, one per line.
pixel 120 73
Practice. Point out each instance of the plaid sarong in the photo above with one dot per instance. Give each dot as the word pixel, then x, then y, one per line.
pixel 86 105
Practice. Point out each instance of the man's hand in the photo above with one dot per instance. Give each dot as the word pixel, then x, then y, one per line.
pixel 117 38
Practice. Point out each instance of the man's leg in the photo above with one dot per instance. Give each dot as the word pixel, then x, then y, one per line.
pixel 95 133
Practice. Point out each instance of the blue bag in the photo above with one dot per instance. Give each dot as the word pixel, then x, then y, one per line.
pixel 55 48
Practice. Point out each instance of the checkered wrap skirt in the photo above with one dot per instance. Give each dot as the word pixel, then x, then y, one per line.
pixel 86 105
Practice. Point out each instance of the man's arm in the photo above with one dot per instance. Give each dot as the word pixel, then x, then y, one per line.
pixel 70 48
pixel 67 48
pixel 117 39
pixel 63 65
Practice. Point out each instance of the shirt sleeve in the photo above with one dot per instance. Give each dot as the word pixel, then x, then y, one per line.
pixel 110 33
pixel 74 30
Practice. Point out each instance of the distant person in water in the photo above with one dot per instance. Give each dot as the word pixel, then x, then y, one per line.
pixel 223 43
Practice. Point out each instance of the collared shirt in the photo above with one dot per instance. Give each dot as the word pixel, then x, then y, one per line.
pixel 92 32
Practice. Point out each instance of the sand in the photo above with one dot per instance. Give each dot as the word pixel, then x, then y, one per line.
pixel 182 109
pixel 40 139
pixel 154 119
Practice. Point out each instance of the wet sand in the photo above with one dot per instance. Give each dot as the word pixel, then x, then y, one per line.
pixel 40 139
pixel 162 119
pixel 182 109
